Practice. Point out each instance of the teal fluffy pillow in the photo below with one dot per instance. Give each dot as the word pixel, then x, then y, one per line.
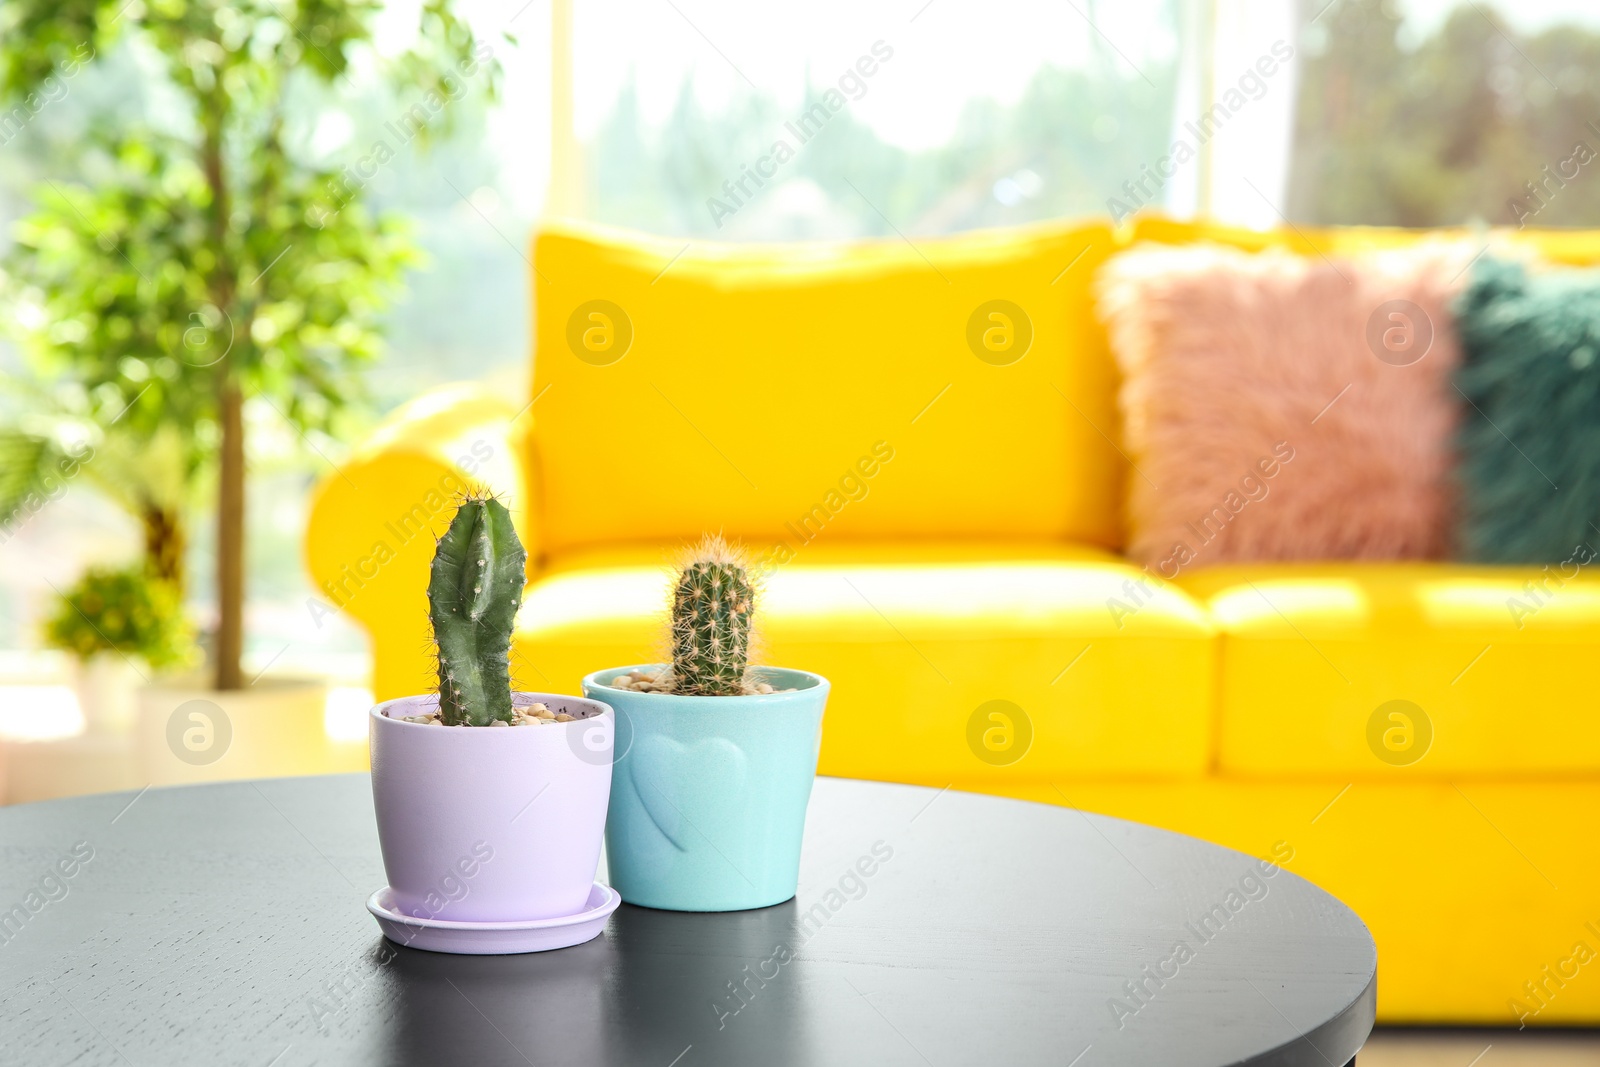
pixel 1530 453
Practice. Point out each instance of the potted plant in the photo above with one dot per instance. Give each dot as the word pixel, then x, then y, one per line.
pixel 117 624
pixel 196 269
pixel 717 757
pixel 491 805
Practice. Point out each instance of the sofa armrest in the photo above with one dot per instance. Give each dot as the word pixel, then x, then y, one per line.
pixel 373 522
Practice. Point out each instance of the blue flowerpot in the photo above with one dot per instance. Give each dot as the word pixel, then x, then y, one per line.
pixel 708 796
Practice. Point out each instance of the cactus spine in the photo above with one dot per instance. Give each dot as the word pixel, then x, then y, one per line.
pixel 474 590
pixel 712 605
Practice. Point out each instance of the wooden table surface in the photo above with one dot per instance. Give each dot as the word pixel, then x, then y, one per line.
pixel 224 924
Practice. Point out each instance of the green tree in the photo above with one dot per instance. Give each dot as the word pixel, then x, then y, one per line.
pixel 203 255
pixel 1448 129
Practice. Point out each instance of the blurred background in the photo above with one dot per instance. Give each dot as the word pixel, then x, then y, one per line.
pixel 1388 112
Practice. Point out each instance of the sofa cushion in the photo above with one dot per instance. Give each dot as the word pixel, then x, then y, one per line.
pixel 1281 406
pixel 916 639
pixel 1530 445
pixel 771 392
pixel 1497 668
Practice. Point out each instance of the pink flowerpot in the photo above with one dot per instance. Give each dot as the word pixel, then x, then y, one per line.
pixel 491 824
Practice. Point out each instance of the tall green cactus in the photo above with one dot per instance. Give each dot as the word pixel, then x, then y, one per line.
pixel 712 607
pixel 474 590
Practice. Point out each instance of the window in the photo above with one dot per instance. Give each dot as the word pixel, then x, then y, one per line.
pixel 1435 113
pixel 736 121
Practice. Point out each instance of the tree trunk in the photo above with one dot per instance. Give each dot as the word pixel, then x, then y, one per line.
pixel 230 537
pixel 164 544
pixel 229 645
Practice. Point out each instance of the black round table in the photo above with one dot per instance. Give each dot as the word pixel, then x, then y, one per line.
pixel 224 924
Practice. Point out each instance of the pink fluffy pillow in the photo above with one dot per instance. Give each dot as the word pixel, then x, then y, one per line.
pixel 1284 407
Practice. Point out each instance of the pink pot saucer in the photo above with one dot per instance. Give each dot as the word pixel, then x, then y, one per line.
pixel 494 939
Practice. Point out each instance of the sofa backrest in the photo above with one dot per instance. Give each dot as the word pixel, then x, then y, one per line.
pixel 1565 248
pixel 928 387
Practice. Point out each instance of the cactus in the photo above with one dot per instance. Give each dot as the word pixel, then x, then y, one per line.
pixel 712 606
pixel 474 590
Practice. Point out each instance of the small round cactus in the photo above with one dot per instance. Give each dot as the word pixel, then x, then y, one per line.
pixel 712 606
pixel 474 590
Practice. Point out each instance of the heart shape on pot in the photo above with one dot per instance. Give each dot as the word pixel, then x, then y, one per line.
pixel 691 792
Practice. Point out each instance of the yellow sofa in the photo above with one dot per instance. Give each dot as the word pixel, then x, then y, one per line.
pixel 919 442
